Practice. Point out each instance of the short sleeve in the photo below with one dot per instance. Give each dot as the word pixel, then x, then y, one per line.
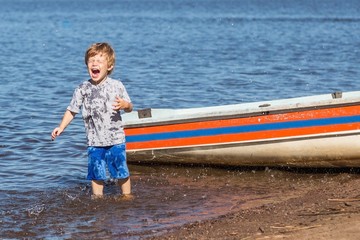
pixel 125 95
pixel 76 101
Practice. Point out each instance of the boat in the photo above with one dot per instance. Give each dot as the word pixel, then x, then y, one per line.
pixel 310 131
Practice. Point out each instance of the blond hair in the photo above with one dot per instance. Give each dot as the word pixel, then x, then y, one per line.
pixel 103 48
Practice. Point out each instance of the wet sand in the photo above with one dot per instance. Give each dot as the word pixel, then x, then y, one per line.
pixel 327 210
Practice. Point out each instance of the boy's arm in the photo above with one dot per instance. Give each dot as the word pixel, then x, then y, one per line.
pixel 121 104
pixel 129 108
pixel 67 118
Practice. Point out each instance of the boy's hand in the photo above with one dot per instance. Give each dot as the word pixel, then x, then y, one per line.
pixel 56 132
pixel 121 104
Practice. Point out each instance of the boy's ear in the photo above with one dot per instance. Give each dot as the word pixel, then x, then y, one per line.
pixel 110 67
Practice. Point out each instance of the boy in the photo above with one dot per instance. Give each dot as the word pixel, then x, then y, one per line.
pixel 101 99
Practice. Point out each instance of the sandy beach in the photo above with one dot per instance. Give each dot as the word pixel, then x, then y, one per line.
pixel 329 210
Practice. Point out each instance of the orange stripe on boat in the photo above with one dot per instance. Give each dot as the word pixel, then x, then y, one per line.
pixel 248 136
pixel 283 117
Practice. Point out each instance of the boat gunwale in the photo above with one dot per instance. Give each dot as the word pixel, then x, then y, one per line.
pixel 239 115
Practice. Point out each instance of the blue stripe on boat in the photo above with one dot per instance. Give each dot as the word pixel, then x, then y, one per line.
pixel 243 129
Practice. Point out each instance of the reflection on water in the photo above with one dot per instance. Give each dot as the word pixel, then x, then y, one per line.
pixel 164 197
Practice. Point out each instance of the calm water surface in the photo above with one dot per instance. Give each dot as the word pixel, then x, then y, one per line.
pixel 170 54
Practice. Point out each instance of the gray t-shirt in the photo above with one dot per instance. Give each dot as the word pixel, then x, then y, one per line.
pixel 102 123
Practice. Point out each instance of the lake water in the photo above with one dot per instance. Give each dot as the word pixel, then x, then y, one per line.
pixel 170 54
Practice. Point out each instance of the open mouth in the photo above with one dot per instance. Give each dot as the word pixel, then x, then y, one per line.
pixel 95 71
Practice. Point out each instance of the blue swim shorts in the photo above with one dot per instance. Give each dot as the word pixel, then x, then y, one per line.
pixel 114 157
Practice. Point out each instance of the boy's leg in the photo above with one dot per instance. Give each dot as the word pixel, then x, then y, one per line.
pixel 125 185
pixel 96 169
pixel 97 187
pixel 118 169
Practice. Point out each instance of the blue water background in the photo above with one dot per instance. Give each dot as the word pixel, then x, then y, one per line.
pixel 169 54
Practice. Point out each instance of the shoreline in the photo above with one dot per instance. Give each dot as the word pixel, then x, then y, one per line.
pixel 328 210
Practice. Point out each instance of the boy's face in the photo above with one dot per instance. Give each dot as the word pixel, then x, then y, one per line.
pixel 98 67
